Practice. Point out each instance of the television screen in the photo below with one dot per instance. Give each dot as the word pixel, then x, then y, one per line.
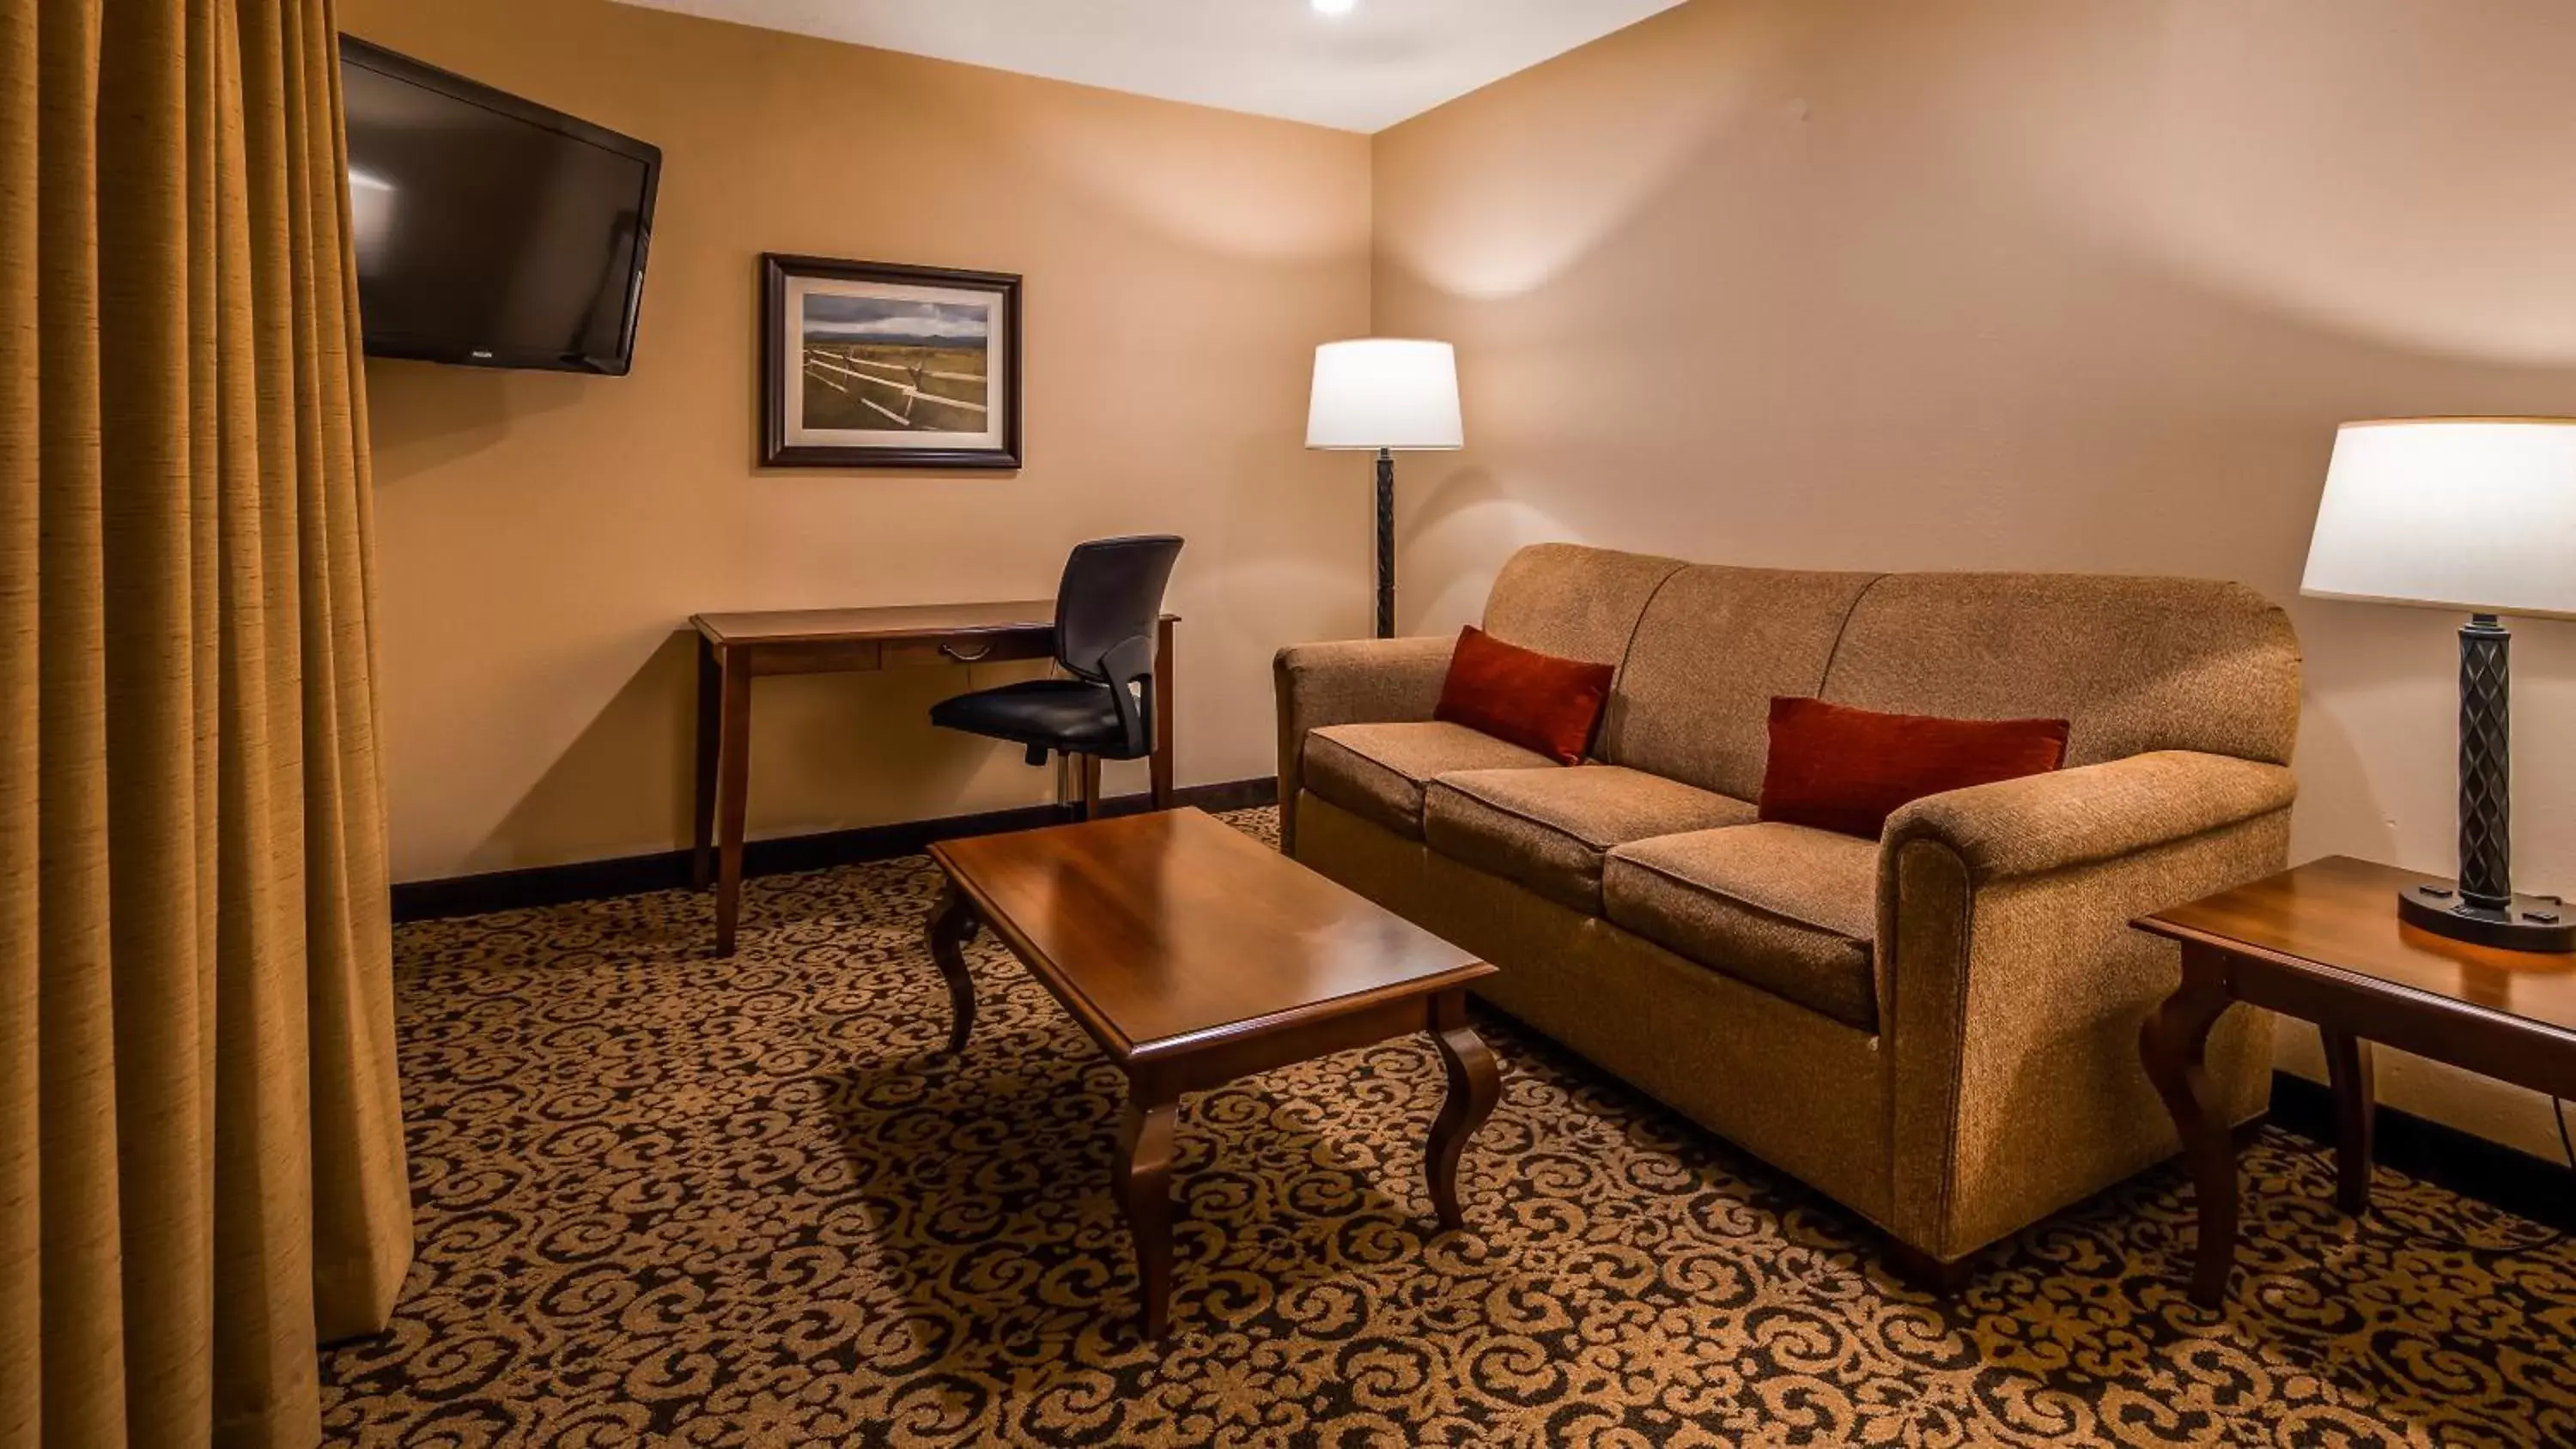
pixel 489 230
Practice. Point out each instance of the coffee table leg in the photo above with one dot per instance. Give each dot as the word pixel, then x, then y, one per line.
pixel 2348 1067
pixel 1142 1173
pixel 1475 1084
pixel 2172 1046
pixel 952 925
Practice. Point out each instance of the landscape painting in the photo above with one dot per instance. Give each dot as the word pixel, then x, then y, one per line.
pixel 869 364
pixel 876 363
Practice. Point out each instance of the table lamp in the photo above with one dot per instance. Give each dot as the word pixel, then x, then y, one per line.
pixel 2474 514
pixel 1386 393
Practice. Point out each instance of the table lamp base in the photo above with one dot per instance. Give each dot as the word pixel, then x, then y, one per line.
pixel 2527 923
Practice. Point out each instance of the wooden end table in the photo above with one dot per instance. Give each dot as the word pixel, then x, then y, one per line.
pixel 1193 954
pixel 2323 943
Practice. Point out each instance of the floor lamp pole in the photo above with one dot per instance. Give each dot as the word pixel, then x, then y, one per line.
pixel 1385 544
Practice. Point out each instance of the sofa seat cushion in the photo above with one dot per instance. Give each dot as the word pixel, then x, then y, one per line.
pixel 1377 771
pixel 1787 908
pixel 1550 830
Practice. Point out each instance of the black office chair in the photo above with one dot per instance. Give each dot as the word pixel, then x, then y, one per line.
pixel 1106 612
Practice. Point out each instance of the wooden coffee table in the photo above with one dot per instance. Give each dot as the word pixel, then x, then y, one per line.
pixel 1194 954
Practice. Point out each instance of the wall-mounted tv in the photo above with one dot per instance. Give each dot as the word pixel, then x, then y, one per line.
pixel 490 230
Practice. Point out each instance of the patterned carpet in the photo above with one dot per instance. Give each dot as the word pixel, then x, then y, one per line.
pixel 668 1199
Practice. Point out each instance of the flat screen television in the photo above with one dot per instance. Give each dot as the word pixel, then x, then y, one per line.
pixel 490 230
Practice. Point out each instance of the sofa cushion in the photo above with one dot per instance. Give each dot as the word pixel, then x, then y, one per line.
pixel 1783 907
pixel 2134 664
pixel 1573 601
pixel 1549 830
pixel 1377 771
pixel 1711 650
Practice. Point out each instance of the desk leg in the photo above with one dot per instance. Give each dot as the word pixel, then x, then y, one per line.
pixel 1142 1170
pixel 702 818
pixel 2349 1068
pixel 2173 1045
pixel 1165 707
pixel 733 771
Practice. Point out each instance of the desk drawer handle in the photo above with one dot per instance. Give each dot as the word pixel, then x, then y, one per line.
pixel 961 657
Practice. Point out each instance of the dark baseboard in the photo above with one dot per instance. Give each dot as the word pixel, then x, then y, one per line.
pixel 590 880
pixel 2470 1165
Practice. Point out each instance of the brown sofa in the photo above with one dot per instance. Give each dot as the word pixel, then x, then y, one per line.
pixel 1937 1028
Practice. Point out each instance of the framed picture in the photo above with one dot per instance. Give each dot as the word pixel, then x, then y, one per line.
pixel 872 365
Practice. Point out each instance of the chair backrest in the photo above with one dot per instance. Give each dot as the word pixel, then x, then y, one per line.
pixel 1112 592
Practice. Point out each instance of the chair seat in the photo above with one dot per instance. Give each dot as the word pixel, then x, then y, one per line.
pixel 1073 715
pixel 1377 771
pixel 1550 829
pixel 1789 909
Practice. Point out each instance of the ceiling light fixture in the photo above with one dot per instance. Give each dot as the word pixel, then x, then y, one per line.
pixel 1335 7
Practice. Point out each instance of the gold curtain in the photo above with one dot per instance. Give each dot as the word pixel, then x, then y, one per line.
pixel 201 1169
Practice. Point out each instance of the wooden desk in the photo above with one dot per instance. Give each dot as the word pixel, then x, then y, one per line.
pixel 2323 943
pixel 735 649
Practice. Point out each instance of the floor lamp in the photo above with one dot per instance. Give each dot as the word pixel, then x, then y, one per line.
pixel 1390 394
pixel 2476 515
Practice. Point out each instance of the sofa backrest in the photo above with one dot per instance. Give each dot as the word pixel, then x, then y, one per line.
pixel 1573 602
pixel 1692 701
pixel 2134 664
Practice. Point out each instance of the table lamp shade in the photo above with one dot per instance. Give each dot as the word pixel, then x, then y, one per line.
pixel 2477 515
pixel 1384 392
pixel 2473 514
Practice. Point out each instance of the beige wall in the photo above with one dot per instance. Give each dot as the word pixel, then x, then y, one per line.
pixel 541 535
pixel 2010 283
pixel 2025 284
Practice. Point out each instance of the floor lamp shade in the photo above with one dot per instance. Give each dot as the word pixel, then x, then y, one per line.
pixel 2476 515
pixel 1385 394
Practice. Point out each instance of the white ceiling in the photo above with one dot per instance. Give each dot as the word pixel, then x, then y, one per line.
pixel 1364 71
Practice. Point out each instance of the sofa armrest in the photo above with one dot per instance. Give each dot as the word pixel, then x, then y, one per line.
pixel 1354 681
pixel 2011 985
pixel 2040 823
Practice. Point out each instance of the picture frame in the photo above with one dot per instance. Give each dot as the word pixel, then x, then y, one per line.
pixel 883 365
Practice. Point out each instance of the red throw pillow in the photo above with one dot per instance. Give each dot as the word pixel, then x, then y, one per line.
pixel 1536 701
pixel 1847 770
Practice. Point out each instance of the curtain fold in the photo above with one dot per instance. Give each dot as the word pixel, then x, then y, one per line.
pixel 201 1170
